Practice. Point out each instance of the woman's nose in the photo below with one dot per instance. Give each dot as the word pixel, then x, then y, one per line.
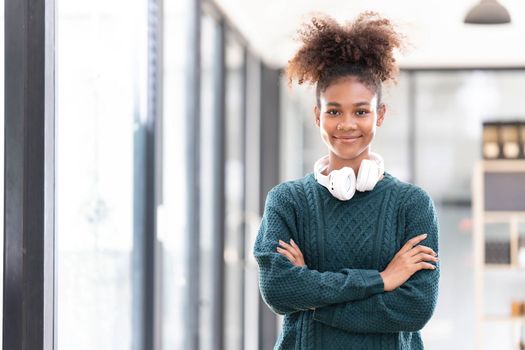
pixel 346 124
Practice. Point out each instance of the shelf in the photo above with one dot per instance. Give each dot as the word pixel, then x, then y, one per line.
pixel 503 165
pixel 493 217
pixel 507 267
pixel 498 189
pixel 503 318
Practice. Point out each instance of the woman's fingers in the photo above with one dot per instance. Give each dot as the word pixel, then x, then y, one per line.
pixel 296 247
pixel 425 266
pixel 286 253
pixel 412 243
pixel 411 258
pixel 295 252
pixel 424 257
pixel 288 249
pixel 421 249
pixel 292 252
pixel 285 245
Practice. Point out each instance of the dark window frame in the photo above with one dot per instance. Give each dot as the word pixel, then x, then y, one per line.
pixel 29 205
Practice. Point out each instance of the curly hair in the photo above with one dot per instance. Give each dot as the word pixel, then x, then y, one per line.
pixel 363 48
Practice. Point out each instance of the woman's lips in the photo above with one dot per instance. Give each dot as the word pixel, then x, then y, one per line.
pixel 347 139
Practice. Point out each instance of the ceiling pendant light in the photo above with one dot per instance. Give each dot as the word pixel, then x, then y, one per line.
pixel 488 12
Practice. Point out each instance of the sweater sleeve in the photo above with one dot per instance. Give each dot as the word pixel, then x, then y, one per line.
pixel 287 288
pixel 408 307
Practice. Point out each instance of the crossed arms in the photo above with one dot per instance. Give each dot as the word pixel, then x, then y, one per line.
pixel 354 300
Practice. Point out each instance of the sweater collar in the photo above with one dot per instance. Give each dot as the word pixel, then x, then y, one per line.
pixel 385 182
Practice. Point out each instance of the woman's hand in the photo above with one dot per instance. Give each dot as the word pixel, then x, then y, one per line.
pixel 292 252
pixel 410 259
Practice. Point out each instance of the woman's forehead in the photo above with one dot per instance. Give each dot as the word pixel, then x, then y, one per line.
pixel 348 91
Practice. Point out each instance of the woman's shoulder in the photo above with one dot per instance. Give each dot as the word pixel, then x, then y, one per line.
pixel 291 192
pixel 290 188
pixel 410 193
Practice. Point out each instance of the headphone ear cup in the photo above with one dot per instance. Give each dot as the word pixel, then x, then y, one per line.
pixel 368 175
pixel 342 183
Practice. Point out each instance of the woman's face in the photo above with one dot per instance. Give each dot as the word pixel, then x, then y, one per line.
pixel 353 106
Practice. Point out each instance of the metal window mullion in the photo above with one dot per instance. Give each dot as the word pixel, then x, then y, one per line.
pixel 244 155
pixel 269 167
pixel 157 99
pixel 146 326
pixel 412 126
pixel 192 116
pixel 252 194
pixel 29 203
pixel 218 185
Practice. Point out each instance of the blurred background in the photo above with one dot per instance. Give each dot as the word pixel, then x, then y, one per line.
pixel 173 120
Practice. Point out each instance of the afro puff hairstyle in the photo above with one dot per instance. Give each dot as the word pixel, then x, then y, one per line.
pixel 363 48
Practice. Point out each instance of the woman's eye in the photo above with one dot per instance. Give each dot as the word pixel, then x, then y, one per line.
pixel 361 113
pixel 332 112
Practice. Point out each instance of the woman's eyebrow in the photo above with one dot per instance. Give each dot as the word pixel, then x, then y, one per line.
pixel 357 104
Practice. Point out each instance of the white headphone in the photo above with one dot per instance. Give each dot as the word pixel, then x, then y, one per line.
pixel 342 183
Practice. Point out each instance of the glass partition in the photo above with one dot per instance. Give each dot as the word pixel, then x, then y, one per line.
pixel 209 69
pixel 234 236
pixel 172 213
pixel 101 85
pixel 450 108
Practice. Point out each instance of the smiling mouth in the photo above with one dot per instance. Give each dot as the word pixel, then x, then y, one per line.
pixel 347 139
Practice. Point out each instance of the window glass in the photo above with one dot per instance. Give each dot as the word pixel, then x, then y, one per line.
pixel 209 66
pixel 172 213
pixel 395 129
pixel 234 167
pixel 100 91
pixel 450 109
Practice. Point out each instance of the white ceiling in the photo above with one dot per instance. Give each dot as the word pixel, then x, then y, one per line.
pixel 434 27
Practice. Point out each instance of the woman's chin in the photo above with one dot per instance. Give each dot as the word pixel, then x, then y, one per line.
pixel 346 153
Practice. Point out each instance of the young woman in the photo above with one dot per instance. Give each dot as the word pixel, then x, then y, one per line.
pixel 348 253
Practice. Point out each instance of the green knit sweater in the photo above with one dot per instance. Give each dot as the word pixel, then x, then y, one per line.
pixel 345 245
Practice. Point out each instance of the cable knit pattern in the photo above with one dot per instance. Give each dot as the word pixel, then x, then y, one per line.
pixel 345 245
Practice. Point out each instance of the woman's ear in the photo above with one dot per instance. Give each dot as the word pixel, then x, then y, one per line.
pixel 317 115
pixel 381 114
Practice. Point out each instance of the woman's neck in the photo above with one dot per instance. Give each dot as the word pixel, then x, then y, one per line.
pixel 335 162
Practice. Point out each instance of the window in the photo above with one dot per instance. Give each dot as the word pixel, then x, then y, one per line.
pixel 100 91
pixel 450 108
pixel 234 236
pixel 171 216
